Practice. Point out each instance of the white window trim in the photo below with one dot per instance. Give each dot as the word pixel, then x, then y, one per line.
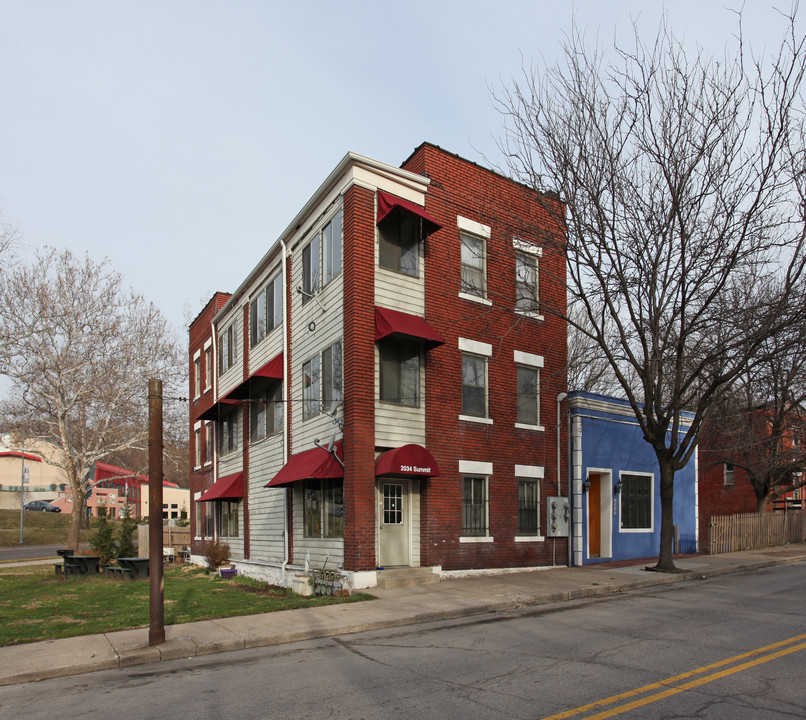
pixel 475 347
pixel 524 358
pixel 474 539
pixel 473 467
pixel 651 528
pixel 197 374
pixel 527 247
pixel 530 472
pixel 209 431
pixel 473 227
pixel 474 419
pixel 208 370
pixel 475 298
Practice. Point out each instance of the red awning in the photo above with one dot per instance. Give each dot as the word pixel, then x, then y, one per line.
pixel 387 203
pixel 214 411
pixel 393 322
pixel 314 463
pixel 407 460
pixel 229 487
pixel 18 454
pixel 272 369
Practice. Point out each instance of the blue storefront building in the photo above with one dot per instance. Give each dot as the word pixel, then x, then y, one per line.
pixel 616 511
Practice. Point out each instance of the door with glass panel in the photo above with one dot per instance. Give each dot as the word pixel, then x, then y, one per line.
pixel 393 515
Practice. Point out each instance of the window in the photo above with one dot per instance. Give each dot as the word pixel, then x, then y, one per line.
pixel 208 368
pixel 729 474
pixel 472 266
pixel 636 501
pixel 227 517
pixel 526 282
pixel 400 372
pixel 528 396
pixel 323 508
pixel 227 349
pixel 228 433
pixel 196 376
pixel 310 388
pixel 398 242
pixel 266 408
pixel 474 386
pixel 197 438
pixel 331 248
pixel 208 442
pixel 266 311
pixel 331 376
pixel 474 506
pixel 310 270
pixel 528 507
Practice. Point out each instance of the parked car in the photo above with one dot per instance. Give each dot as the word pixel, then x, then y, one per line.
pixel 42 505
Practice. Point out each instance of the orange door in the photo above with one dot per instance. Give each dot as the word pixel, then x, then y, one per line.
pixel 594 520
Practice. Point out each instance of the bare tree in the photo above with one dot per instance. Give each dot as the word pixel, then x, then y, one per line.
pixel 79 349
pixel 683 181
pixel 759 424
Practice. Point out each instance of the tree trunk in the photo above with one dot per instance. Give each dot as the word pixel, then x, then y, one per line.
pixel 763 503
pixel 76 518
pixel 665 559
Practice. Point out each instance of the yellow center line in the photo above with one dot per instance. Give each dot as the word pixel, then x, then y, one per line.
pixel 683 676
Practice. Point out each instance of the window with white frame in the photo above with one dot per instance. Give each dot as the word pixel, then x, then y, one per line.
pixel 322 257
pixel 265 408
pixel 323 508
pixel 474 385
pixel 729 473
pixel 266 310
pixel 399 371
pixel 473 266
pixel 398 242
pixel 198 446
pixel 208 442
pixel 228 432
pixel 475 515
pixel 197 376
pixel 208 367
pixel 635 492
pixel 311 382
pixel 526 282
pixel 332 376
pixel 227 517
pixel 528 395
pixel 227 348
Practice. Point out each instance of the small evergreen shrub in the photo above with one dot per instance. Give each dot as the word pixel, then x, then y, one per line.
pixel 125 545
pixel 102 541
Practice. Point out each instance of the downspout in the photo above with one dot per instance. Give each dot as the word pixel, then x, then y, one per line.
pixel 286 397
pixel 560 398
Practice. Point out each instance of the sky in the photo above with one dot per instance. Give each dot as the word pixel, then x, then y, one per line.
pixel 179 138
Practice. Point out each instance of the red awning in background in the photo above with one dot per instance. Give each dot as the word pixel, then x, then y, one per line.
pixel 229 487
pixel 407 460
pixel 388 202
pixel 314 463
pixel 272 369
pixel 393 322
pixel 18 454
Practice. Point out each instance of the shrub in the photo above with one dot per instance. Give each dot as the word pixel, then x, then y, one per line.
pixel 125 534
pixel 215 553
pixel 102 541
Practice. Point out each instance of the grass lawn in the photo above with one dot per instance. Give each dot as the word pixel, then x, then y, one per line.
pixel 39 528
pixel 36 605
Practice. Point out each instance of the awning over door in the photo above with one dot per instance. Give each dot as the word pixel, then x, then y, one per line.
pixel 407 460
pixel 388 202
pixel 314 463
pixel 229 487
pixel 394 322
pixel 274 369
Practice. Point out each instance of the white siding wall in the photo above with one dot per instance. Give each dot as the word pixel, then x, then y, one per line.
pixel 266 505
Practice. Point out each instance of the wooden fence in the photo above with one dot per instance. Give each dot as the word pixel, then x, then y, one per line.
pixel 748 531
pixel 175 537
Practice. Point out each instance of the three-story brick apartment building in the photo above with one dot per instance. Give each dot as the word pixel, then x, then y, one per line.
pixel 383 388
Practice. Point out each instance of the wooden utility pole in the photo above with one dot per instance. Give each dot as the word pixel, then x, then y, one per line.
pixel 156 632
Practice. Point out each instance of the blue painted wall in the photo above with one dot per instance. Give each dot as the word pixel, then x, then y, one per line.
pixel 612 441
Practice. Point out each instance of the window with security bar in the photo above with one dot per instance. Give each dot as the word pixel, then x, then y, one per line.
pixel 636 501
pixel 528 507
pixel 474 506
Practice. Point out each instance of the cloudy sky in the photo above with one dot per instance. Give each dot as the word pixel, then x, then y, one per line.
pixel 178 138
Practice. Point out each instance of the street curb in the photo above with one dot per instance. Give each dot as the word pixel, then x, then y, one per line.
pixel 125 648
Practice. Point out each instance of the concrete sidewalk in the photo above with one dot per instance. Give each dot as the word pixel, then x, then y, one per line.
pixel 449 599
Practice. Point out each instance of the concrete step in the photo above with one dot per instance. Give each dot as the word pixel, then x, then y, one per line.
pixel 407 577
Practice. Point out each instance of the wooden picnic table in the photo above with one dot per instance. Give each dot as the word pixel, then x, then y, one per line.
pixel 81 564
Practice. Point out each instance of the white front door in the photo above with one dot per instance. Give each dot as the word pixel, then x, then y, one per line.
pixel 393 512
